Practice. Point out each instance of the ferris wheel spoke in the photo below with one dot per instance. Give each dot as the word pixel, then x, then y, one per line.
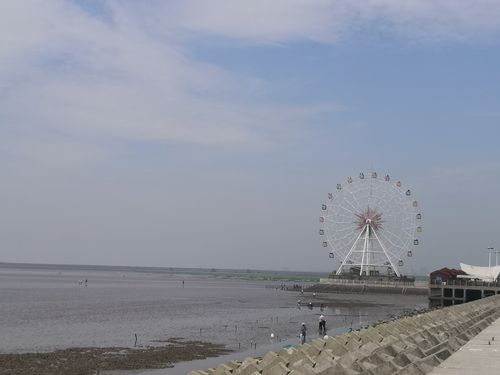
pixel 348 210
pixel 341 215
pixel 392 243
pixel 350 204
pixel 392 234
pixel 356 200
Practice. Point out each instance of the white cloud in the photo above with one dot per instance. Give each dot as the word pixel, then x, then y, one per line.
pixel 330 20
pixel 128 75
pixel 71 72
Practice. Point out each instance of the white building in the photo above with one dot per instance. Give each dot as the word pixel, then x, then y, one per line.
pixel 480 272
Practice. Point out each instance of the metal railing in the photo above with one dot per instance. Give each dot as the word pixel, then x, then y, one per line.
pixel 384 283
pixel 466 282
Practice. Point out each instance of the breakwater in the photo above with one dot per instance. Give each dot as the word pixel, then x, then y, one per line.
pixel 364 286
pixel 410 345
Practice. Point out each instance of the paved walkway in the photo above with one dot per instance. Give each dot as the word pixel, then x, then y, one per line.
pixel 476 357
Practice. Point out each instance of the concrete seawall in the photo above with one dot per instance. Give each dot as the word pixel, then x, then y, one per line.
pixel 410 345
pixel 354 286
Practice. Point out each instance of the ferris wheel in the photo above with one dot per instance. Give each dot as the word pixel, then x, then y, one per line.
pixel 370 224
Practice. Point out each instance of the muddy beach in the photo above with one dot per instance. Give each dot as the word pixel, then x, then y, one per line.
pixel 47 317
pixel 87 361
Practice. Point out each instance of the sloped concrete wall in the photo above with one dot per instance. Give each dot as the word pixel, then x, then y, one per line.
pixel 411 345
pixel 326 287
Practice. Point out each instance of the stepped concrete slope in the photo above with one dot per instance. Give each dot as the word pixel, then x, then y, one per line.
pixel 410 345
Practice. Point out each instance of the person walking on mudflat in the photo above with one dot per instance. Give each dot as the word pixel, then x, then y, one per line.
pixel 322 325
pixel 303 331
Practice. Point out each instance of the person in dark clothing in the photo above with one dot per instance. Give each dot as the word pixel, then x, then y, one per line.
pixel 322 325
pixel 303 332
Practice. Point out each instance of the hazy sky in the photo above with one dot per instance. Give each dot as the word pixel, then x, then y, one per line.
pixel 208 133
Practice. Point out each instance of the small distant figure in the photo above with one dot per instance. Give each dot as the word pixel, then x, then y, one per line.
pixel 303 332
pixel 314 294
pixel 183 283
pixel 302 291
pixel 322 306
pixel 310 305
pixel 86 281
pixel 322 325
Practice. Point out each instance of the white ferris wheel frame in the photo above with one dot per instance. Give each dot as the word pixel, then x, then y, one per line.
pixel 371 244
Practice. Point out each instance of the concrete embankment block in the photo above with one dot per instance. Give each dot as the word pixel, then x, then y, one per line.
pixel 384 369
pixel 429 363
pixel 277 369
pixel 348 359
pixel 304 364
pixel 370 335
pixel 406 358
pixel 387 340
pixel 222 370
pixel 338 349
pixel 247 369
pixel 270 359
pixel 318 343
pixel 378 358
pixel 303 370
pixel 302 361
pixel 302 356
pixel 367 349
pixel 326 358
pixel 338 369
pixel 443 354
pixel 415 351
pixel 411 369
pixel 286 353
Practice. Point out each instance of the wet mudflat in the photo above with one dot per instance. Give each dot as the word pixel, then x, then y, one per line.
pixel 49 311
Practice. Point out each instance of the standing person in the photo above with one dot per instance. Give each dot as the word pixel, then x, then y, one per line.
pixel 303 331
pixel 322 325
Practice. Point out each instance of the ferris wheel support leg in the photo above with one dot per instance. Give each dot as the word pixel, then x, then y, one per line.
pixel 387 254
pixel 365 249
pixel 368 248
pixel 339 271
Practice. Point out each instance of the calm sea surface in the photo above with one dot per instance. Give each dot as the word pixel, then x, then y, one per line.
pixel 47 309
